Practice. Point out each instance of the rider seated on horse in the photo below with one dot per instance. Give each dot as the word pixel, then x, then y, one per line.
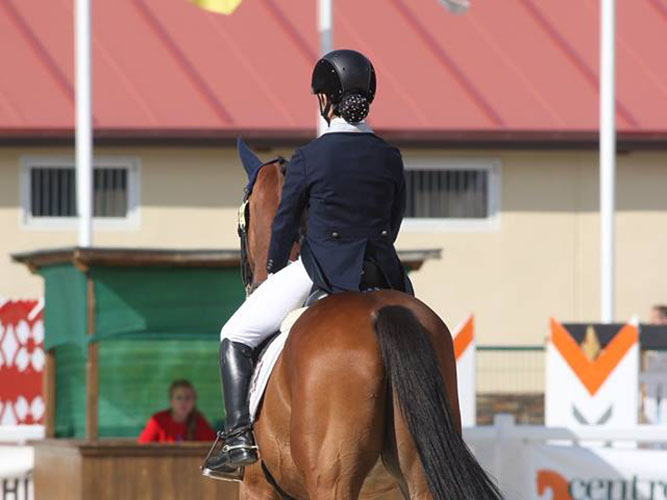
pixel 351 184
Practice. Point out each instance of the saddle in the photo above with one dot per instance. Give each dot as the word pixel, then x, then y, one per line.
pixel 372 277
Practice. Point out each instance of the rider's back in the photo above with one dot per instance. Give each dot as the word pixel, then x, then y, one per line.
pixel 355 194
pixel 353 180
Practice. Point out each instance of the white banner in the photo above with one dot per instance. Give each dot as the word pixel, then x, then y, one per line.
pixel 579 473
pixel 464 350
pixel 16 465
pixel 599 391
pixel 549 463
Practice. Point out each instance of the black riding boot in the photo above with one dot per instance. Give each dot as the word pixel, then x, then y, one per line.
pixel 238 450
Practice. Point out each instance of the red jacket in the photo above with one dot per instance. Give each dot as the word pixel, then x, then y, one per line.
pixel 161 428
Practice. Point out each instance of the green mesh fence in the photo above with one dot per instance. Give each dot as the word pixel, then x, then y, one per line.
pixel 135 375
pixel 70 390
pixel 164 300
pixel 153 325
pixel 134 378
pixel 65 299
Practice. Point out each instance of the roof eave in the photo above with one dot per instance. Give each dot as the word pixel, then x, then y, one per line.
pixel 456 139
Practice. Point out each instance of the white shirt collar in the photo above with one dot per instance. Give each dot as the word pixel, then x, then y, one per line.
pixel 339 125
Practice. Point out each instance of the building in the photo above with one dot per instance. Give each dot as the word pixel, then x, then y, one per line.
pixel 495 112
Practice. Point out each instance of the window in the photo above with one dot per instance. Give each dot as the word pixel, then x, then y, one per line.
pixel 452 193
pixel 49 191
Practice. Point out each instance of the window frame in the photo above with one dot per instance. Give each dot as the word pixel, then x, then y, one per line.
pixel 490 223
pixel 130 221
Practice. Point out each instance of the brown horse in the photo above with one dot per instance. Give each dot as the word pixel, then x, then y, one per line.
pixel 366 382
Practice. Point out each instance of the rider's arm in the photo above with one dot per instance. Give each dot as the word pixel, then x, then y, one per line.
pixel 398 207
pixel 285 228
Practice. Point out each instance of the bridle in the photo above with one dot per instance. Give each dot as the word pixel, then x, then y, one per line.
pixel 242 229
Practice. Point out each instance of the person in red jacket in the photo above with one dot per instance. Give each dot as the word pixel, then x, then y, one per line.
pixel 182 422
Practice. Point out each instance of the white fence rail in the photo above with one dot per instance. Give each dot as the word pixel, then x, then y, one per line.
pixel 19 434
pixel 505 428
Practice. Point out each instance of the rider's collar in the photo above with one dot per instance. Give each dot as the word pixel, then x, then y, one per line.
pixel 340 125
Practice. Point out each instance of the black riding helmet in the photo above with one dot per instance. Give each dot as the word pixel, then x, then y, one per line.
pixel 343 73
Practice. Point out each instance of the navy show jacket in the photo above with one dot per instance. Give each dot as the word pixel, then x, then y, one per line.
pixel 352 186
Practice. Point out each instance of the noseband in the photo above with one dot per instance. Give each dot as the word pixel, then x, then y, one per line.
pixel 242 229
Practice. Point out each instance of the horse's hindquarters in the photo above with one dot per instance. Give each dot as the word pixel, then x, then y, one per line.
pixel 338 397
pixel 324 422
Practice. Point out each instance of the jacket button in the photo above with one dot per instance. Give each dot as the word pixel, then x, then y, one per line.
pixel 335 235
pixel 384 233
pixel 269 265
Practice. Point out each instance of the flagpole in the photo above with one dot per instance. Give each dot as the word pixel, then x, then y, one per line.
pixel 607 160
pixel 83 135
pixel 325 30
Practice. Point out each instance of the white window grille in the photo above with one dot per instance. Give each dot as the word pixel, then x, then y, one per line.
pixel 48 188
pixel 452 194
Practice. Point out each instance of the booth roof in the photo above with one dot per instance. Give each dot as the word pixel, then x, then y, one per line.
pixel 165 69
pixel 83 258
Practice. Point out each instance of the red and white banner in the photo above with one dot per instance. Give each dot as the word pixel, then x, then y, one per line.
pixel 21 362
pixel 599 391
pixel 464 351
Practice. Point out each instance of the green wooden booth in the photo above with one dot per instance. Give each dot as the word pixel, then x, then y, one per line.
pixel 121 324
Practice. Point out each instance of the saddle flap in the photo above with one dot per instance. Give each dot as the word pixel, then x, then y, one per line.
pixel 267 360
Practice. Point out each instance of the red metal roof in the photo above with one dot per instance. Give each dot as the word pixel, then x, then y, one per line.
pixel 168 68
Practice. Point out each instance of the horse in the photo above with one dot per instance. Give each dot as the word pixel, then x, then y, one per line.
pixel 366 382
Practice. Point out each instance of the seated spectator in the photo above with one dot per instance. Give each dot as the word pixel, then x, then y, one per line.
pixel 659 315
pixel 654 374
pixel 182 422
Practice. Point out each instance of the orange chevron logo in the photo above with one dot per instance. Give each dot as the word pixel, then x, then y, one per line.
pixel 593 373
pixel 550 480
pixel 464 336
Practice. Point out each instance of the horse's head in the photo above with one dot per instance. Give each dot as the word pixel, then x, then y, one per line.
pixel 262 196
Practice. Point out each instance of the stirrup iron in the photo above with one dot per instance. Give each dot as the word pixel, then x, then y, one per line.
pixel 236 475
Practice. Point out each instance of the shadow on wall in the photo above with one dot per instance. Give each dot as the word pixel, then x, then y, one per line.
pixel 569 183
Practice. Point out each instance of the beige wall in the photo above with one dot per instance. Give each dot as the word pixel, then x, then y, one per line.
pixel 542 260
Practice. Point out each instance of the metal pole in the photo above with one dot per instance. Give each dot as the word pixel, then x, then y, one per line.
pixel 84 139
pixel 325 29
pixel 607 160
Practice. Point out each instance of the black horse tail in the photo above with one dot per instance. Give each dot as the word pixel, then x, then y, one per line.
pixel 412 369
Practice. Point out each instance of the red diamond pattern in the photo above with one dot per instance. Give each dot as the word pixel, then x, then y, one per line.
pixel 21 362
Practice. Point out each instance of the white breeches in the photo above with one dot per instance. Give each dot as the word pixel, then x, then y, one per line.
pixel 265 309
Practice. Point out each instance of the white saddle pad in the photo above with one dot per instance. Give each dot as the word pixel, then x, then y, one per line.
pixel 268 360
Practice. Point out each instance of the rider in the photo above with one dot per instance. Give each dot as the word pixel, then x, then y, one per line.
pixel 351 184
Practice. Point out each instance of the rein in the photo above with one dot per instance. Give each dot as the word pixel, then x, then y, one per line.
pixel 242 230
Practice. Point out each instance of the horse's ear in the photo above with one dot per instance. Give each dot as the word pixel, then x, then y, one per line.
pixel 248 158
